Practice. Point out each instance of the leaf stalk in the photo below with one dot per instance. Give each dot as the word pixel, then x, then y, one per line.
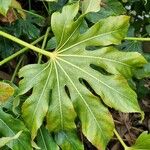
pixel 19 52
pixel 16 69
pixel 43 44
pixel 23 43
pixel 137 39
pixel 120 139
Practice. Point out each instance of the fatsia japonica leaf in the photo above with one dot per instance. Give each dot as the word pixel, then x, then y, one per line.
pixel 9 127
pixel 108 8
pixel 60 91
pixel 142 143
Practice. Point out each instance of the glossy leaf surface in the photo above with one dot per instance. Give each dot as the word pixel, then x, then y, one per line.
pixel 68 140
pixel 60 86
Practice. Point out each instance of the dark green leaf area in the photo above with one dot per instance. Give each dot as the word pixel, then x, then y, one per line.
pixel 7 47
pixel 134 46
pixel 45 140
pixel 25 28
pixel 108 8
pixel 9 127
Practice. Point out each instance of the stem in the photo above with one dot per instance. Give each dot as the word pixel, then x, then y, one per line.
pixel 23 43
pixel 120 139
pixel 16 69
pixel 29 1
pixel 29 12
pixel 43 44
pixel 19 52
pixel 46 7
pixel 137 39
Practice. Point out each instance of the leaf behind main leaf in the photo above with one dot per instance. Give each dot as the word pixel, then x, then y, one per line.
pixel 5 140
pixel 10 126
pixel 142 143
pixel 68 140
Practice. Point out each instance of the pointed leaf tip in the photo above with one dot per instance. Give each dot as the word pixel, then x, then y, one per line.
pixel 90 6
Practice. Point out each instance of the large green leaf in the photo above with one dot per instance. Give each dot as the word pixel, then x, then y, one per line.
pixel 142 143
pixel 9 127
pixel 7 47
pixel 134 46
pixel 60 89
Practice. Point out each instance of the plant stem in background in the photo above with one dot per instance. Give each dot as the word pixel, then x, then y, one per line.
pixel 19 52
pixel 43 44
pixel 46 7
pixel 137 39
pixel 120 139
pixel 16 69
pixel 29 4
pixel 23 43
pixel 29 12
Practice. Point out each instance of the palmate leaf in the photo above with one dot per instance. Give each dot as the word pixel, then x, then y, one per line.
pixel 60 91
